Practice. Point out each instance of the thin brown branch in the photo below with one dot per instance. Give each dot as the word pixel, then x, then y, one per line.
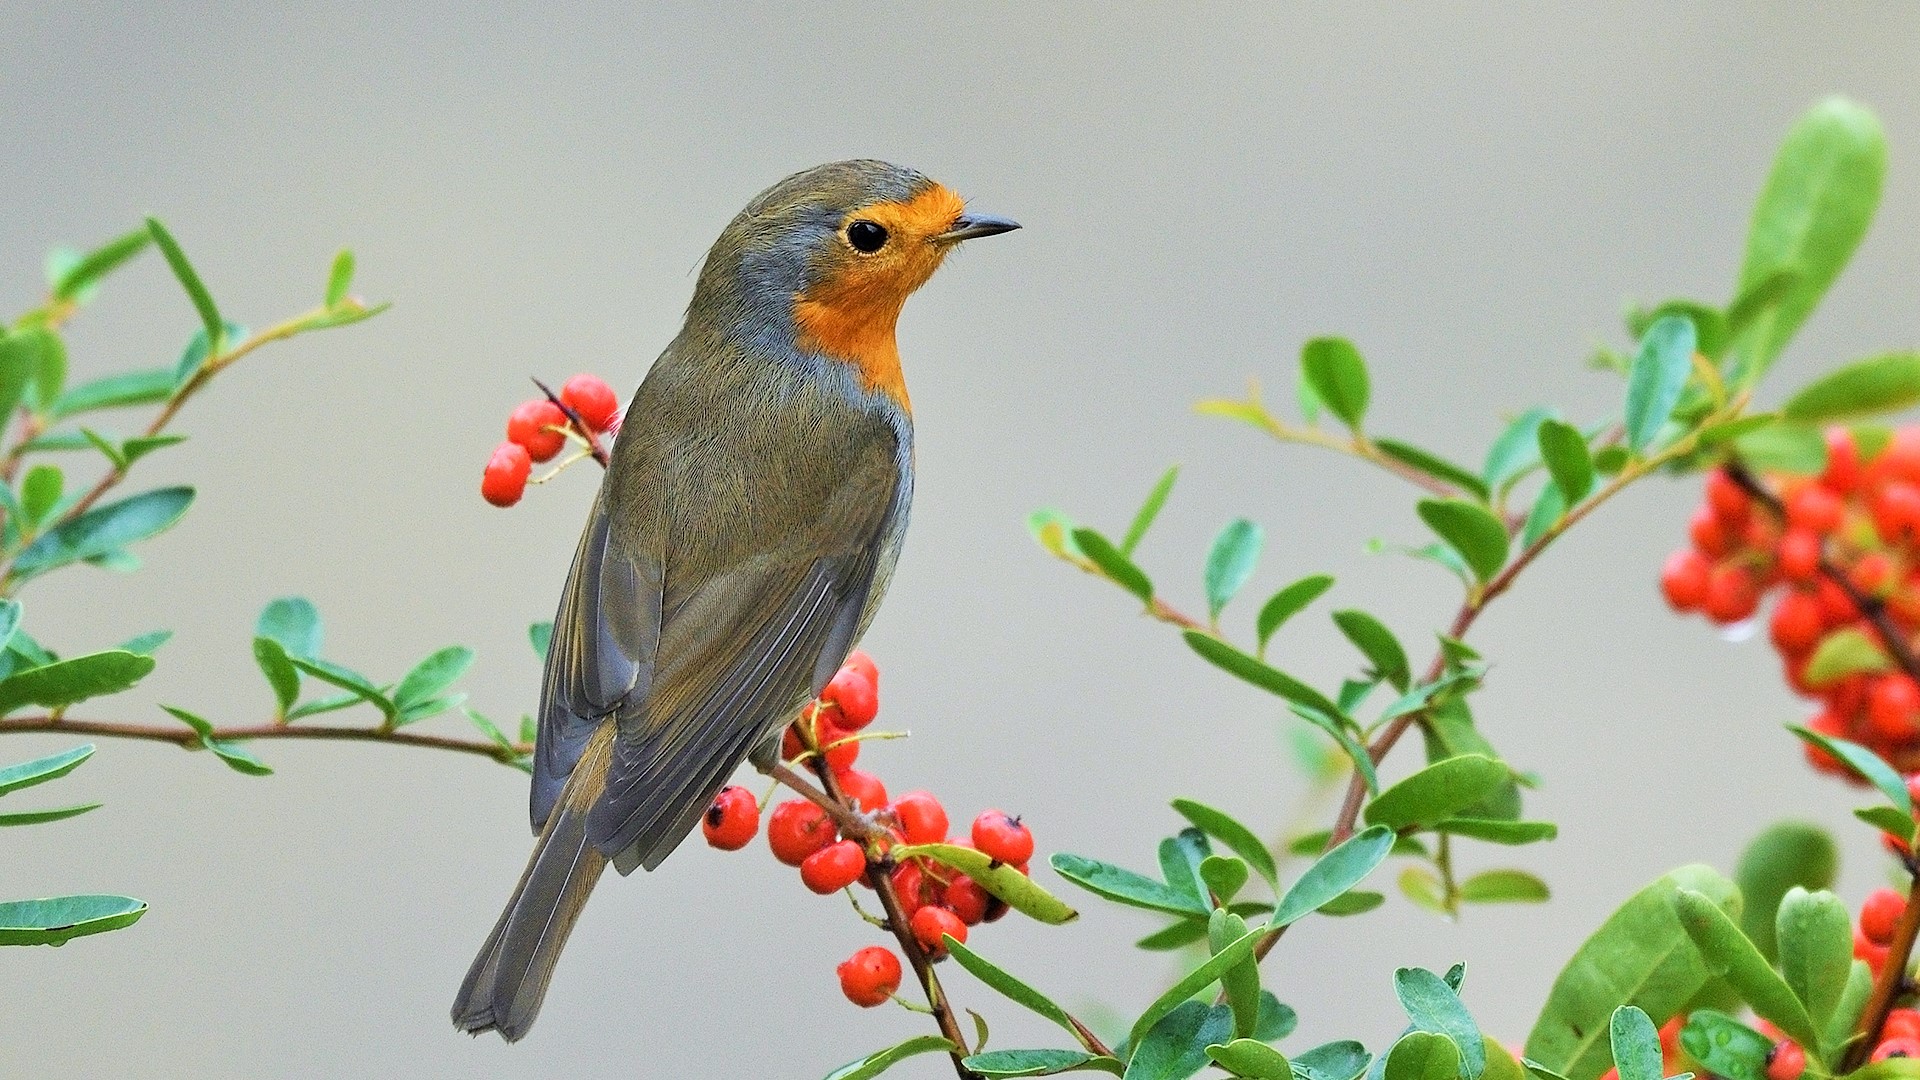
pixel 187 738
pixel 579 424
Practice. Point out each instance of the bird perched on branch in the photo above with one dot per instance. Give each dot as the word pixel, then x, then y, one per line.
pixel 739 545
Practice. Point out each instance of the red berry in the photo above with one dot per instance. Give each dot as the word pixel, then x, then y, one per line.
pixel 1709 534
pixel 1843 461
pixel 863 788
pixel 528 424
pixel 1893 708
pixel 1901 1023
pixel 860 660
pixel 833 867
pixel 790 745
pixel 1799 555
pixel 1729 501
pixel 797 829
pixel 1913 788
pixel 732 819
pixel 922 819
pixel 593 399
pixel 1872 572
pixel 506 477
pixel 1732 595
pixel 1896 512
pixel 911 886
pixel 1786 1061
pixel 1836 607
pixel 967 899
pixel 1683 579
pixel 1899 461
pixel 870 976
pixel 856 695
pixel 1901 1047
pixel 1002 838
pixel 1845 698
pixel 832 741
pixel 1874 954
pixel 1816 509
pixel 1796 625
pixel 930 922
pixel 1878 914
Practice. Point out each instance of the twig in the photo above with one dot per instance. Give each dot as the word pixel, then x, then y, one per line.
pixel 580 425
pixel 189 739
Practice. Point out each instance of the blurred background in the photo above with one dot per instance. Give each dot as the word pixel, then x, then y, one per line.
pixel 1471 196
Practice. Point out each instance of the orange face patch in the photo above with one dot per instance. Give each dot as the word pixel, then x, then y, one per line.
pixel 851 312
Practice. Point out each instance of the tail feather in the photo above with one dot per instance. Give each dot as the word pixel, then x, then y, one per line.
pixel 508 980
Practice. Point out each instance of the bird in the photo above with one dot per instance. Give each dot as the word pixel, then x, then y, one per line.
pixel 746 528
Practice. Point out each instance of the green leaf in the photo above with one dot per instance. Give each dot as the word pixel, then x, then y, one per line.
pixel 1815 935
pixel 198 351
pixel 1853 1002
pixel 1251 1058
pixel 1240 984
pixel 21 355
pixel 148 643
pixel 1570 464
pixel 9 621
pixel 1334 873
pixel 1548 508
pixel 339 278
pixel 1006 883
pixel 65 682
pixel 1725 1046
pixel 351 681
pixel 59 919
pixel 1707 320
pixel 1353 902
pixel 294 622
pixel 1422 1055
pixel 1434 1006
pixel 141 445
pixel 1287 603
pixel 1342 734
pixel 1798 449
pixel 1888 820
pixel 1176 1047
pixel 98 263
pixel 1276 1020
pixel 1469 529
pixel 1880 384
pixel 1424 888
pixel 1785 854
pixel 1010 987
pixel 1437 792
pixel 1660 371
pixel 1124 886
pixel 1757 299
pixel 40 770
pixel 41 817
pixel 1053 531
pixel 1247 668
pixel 1377 644
pixel 129 388
pixel 1640 956
pixel 331 703
pixel 540 635
pixel 1223 875
pixel 881 1060
pixel 40 492
pixel 1117 567
pixel 1846 651
pixel 1517 448
pixel 104 530
pixel 998 1063
pixel 281 675
pixel 1343 1060
pixel 1636 1045
pixel 1433 465
pixel 1200 977
pixel 1729 954
pixel 1863 763
pixel 1503 887
pixel 236 755
pixel 1230 563
pixel 1499 832
pixel 1174 936
pixel 1332 367
pixel 490 729
pixel 1240 839
pixel 1143 520
pixel 1816 206
pixel 189 280
pixel 432 676
pixel 108 449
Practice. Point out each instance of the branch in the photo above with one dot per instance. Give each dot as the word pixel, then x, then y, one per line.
pixel 188 739
pixel 1892 978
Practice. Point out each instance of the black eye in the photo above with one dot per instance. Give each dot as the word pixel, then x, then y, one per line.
pixel 866 236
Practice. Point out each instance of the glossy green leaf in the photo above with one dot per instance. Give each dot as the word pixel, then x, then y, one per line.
pixel 1433 465
pixel 999 1063
pixel 1176 1046
pixel 1729 954
pixel 98 263
pixel 1434 1006
pixel 1332 367
pixel 1422 1055
pixel 1378 645
pixel 1813 211
pixel 1117 567
pixel 1252 1059
pixel 1207 973
pixel 1241 840
pixel 235 754
pixel 432 676
pixel 1008 986
pixel 104 530
pixel 1437 792
pixel 1853 1002
pixel 1640 956
pixel 1124 886
pixel 540 635
pixel 1343 1060
pixel 1249 669
pixel 115 391
pixel 59 919
pixel 1516 449
pixel 1815 936
pixel 1724 1046
pixel 189 280
pixel 339 278
pixel 294 622
pixel 881 1060
pixel 351 681
pixel 1636 1045
pixel 140 446
pixel 1846 651
pixel 1708 322
pixel 1888 820
pixel 1504 887
pixel 1499 831
pixel 1149 510
pixel 1287 603
pixel 1008 884
pixel 1353 902
pixel 1469 529
pixel 1660 371
pixel 1570 464
pixel 330 703
pixel 281 675
pixel 1880 384
pixel 1230 562
pixel 1180 859
pixel 1224 876
pixel 1334 873
pixel 40 770
pixel 41 817
pixel 1240 984
pixel 65 682
pixel 1863 763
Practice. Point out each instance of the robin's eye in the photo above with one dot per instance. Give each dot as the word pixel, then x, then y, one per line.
pixel 866 236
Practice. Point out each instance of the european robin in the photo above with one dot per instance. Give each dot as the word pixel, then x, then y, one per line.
pixel 738 547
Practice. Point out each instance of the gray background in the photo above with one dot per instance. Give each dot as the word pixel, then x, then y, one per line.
pixel 1470 196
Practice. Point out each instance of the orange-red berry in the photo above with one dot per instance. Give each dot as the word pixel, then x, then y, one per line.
pixel 1729 501
pixel 1796 625
pixel 1879 913
pixel 1002 838
pixel 870 976
pixel 1896 512
pixel 1893 708
pixel 833 867
pixel 860 660
pixel 1900 1047
pixel 863 788
pixel 922 819
pixel 1786 1061
pixel 732 819
pixel 593 399
pixel 911 885
pixel 1732 595
pixel 1842 474
pixel 1709 534
pixel 856 697
pixel 1816 509
pixel 1683 580
pixel 529 426
pixel 1902 1023
pixel 967 900
pixel 1799 555
pixel 797 829
pixel 1873 953
pixel 505 478
pixel 930 922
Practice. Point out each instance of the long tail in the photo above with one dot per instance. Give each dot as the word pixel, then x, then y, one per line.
pixel 504 988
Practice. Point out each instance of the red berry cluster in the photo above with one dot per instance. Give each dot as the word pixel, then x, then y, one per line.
pixel 936 901
pixel 538 430
pixel 1858 521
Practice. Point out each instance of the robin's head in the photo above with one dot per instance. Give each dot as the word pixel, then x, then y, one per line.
pixel 827 257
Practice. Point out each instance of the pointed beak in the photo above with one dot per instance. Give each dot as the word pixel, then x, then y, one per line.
pixel 971 225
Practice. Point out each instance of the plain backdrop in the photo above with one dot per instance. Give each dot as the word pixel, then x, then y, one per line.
pixel 1471 194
